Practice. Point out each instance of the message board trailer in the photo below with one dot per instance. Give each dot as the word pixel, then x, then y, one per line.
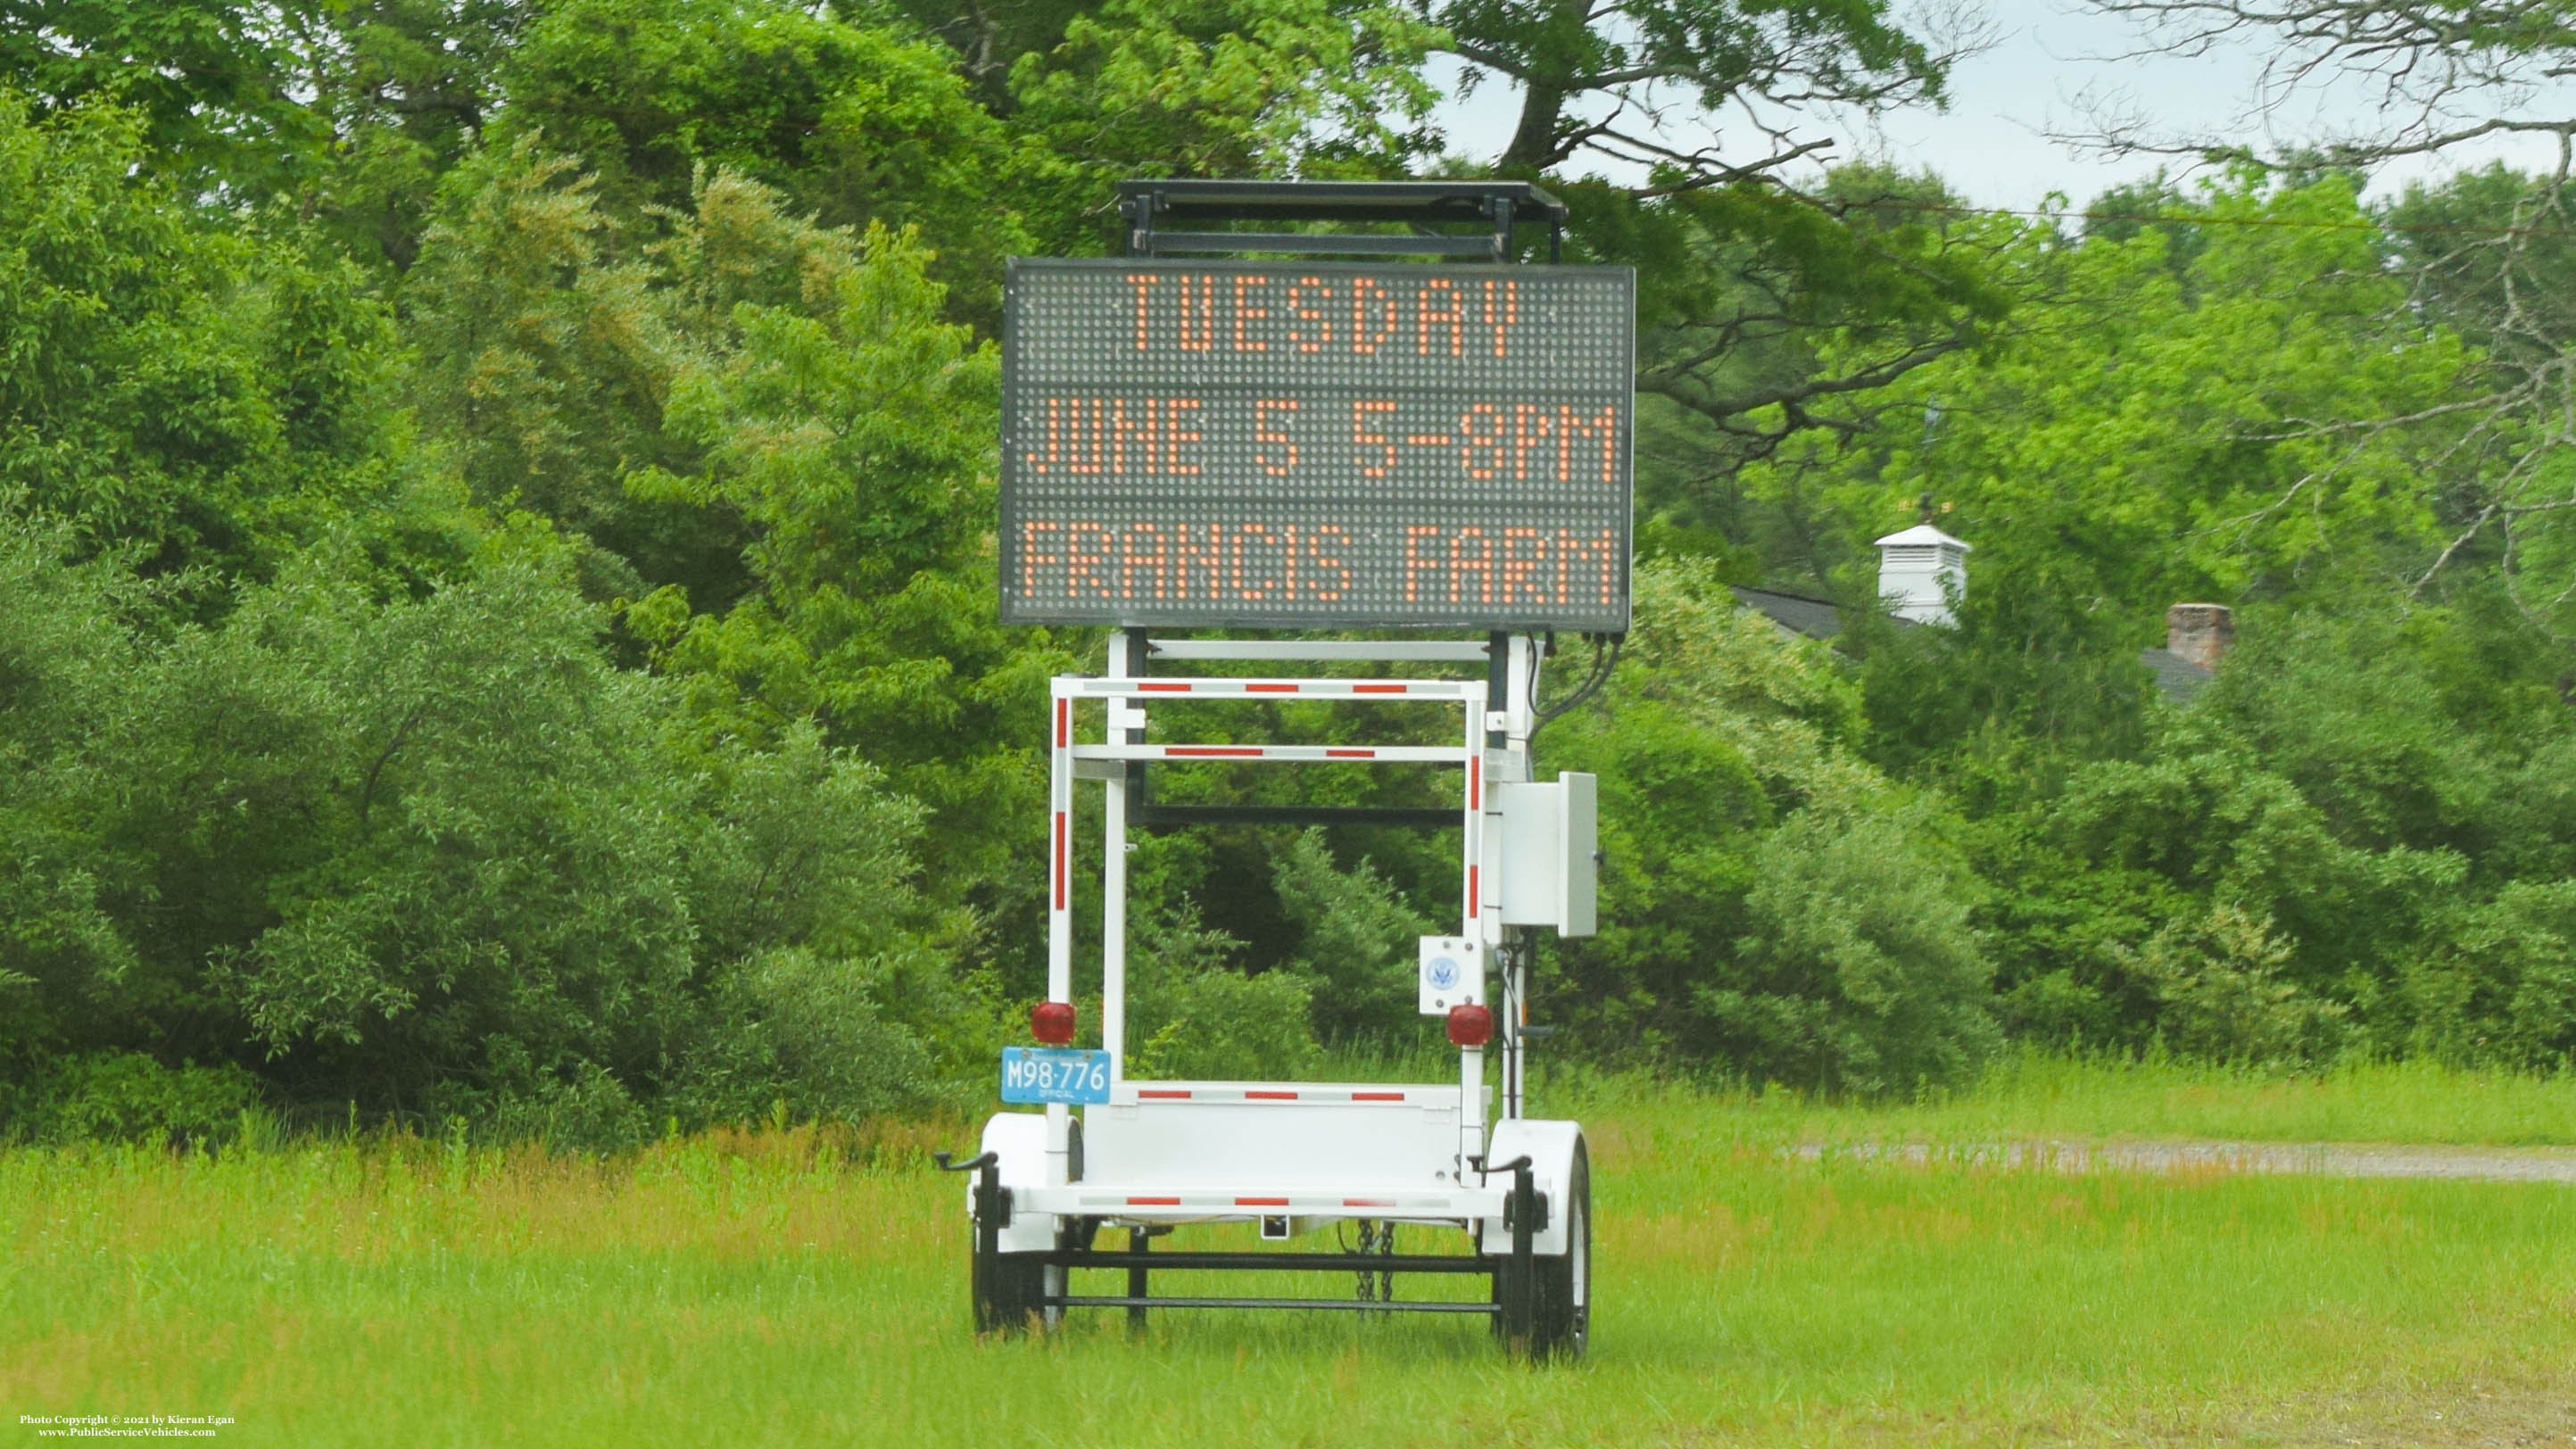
pixel 1305 446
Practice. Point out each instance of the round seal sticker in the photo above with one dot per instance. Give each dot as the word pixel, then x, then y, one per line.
pixel 1442 973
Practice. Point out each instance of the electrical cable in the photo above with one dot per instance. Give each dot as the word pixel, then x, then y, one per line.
pixel 1539 716
pixel 1605 658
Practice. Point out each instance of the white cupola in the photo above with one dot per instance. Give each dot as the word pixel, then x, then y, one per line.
pixel 1920 571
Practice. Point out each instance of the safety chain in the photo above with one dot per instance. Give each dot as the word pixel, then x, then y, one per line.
pixel 1377 1285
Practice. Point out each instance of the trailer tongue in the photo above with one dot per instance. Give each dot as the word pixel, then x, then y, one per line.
pixel 1134 472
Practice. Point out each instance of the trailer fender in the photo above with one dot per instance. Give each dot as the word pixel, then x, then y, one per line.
pixel 1019 1140
pixel 1552 1148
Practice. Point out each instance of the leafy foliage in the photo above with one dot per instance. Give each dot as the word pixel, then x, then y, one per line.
pixel 851 434
pixel 1770 901
pixel 1213 88
pixel 431 855
pixel 196 395
pixel 850 123
pixel 129 1097
pixel 1859 971
pixel 496 594
pixel 212 99
pixel 1192 1016
pixel 1355 943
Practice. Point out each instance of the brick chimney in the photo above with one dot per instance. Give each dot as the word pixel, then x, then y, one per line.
pixel 2199 632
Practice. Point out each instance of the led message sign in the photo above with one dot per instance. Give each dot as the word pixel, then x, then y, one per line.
pixel 1306 444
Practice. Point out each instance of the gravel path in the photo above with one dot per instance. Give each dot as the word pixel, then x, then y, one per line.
pixel 2329 1159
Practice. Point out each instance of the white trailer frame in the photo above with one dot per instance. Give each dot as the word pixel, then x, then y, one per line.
pixel 1297 1156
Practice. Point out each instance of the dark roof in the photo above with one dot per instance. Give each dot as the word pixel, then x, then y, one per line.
pixel 2177 678
pixel 1814 618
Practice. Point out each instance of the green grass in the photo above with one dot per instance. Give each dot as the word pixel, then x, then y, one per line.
pixel 780 1289
pixel 2036 1096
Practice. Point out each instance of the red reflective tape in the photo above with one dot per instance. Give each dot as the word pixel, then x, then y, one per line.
pixel 1063 723
pixel 1059 860
pixel 1270 1096
pixel 1183 1096
pixel 1153 1202
pixel 1377 1096
pixel 1350 754
pixel 1357 1201
pixel 1377 689
pixel 1212 752
pixel 1270 689
pixel 1475 787
pixel 1168 686
pixel 1471 890
pixel 1261 1202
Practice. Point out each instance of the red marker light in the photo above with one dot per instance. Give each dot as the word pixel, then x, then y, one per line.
pixel 1051 1022
pixel 1469 1025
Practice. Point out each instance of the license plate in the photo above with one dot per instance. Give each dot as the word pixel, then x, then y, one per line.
pixel 1046 1074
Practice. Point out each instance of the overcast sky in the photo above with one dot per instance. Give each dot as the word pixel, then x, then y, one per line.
pixel 2047 57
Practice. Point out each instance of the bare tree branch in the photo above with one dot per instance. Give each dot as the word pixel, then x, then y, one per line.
pixel 2442 76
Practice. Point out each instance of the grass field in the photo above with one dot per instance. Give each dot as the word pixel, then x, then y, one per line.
pixel 783 1288
pixel 2042 1096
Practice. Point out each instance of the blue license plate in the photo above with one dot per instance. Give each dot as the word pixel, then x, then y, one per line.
pixel 1046 1074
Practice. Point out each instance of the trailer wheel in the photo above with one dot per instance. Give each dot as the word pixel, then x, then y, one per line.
pixel 1561 1319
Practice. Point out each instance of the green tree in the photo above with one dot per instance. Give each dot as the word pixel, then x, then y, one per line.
pixel 1773 325
pixel 1641 55
pixel 1771 904
pixel 347 112
pixel 2028 685
pixel 989 40
pixel 1355 942
pixel 853 433
pixel 439 855
pixel 2331 841
pixel 851 120
pixel 774 448
pixel 196 393
pixel 1859 971
pixel 2122 212
pixel 1214 88
pixel 2445 81
pixel 60 650
pixel 409 89
pixel 1769 306
pixel 2143 437
pixel 210 82
pixel 543 360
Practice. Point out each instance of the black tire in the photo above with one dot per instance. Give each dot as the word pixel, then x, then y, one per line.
pixel 1561 1320
pixel 1014 1300
pixel 1007 1302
